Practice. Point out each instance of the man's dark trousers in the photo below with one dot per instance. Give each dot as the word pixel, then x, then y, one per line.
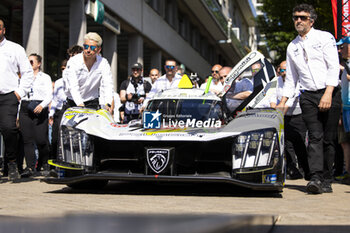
pixel 57 117
pixel 295 132
pixel 322 131
pixel 8 128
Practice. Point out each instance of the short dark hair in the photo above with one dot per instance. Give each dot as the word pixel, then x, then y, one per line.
pixel 73 50
pixel 170 59
pixel 37 56
pixel 306 8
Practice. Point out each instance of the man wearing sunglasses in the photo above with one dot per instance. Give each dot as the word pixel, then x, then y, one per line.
pixel 169 80
pixel 294 128
pixel 88 76
pixel 312 61
pixel 13 62
pixel 215 85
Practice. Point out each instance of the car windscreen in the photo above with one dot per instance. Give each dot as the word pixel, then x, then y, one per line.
pixel 243 86
pixel 182 109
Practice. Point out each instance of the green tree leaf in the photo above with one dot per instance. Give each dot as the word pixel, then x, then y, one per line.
pixel 277 25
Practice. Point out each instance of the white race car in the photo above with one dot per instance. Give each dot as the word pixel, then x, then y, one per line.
pixel 185 135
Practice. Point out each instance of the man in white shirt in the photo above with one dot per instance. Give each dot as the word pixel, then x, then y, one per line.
pixel 294 128
pixel 168 81
pixel 56 111
pixel 13 61
pixel 215 85
pixel 223 72
pixel 88 75
pixel 154 75
pixel 312 60
pixel 59 96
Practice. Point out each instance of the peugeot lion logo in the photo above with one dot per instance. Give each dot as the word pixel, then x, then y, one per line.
pixel 157 159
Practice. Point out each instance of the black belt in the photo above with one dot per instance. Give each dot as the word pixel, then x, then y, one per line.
pixel 28 101
pixel 89 102
pixel 314 92
pixel 319 91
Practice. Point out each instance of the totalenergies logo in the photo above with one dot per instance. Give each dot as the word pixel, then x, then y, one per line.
pixel 240 67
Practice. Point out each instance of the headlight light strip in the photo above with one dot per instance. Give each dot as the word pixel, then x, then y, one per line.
pixel 74 147
pixel 267 138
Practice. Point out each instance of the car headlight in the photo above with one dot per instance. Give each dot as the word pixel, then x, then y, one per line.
pixel 75 147
pixel 255 149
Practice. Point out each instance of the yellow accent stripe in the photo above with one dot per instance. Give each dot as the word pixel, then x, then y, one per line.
pixel 103 113
pixel 61 166
pixel 100 112
pixel 165 131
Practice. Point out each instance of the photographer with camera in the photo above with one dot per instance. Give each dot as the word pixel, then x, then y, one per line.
pixel 133 92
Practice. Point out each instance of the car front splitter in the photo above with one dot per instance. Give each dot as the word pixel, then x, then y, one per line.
pixel 278 186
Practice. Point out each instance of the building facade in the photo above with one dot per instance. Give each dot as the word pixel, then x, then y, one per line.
pixel 193 32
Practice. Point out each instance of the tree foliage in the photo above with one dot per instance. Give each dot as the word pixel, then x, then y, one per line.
pixel 277 25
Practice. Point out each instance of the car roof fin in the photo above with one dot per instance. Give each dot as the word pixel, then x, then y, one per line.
pixel 185 82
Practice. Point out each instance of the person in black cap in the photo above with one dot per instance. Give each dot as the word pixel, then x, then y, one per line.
pixel 133 92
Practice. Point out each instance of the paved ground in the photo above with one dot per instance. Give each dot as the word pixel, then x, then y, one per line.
pixel 294 208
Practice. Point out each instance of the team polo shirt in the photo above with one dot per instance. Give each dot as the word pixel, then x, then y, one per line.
pixel 41 89
pixel 82 85
pixel 162 84
pixel 58 98
pixel 292 103
pixel 313 62
pixel 14 61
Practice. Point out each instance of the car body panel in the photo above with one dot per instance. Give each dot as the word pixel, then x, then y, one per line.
pixel 244 147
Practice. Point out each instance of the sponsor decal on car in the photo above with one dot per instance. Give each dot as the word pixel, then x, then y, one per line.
pixel 151 120
pixel 60 173
pixel 171 133
pixel 154 120
pixel 158 159
pixel 210 123
pixel 269 179
pixel 118 125
pixel 240 67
